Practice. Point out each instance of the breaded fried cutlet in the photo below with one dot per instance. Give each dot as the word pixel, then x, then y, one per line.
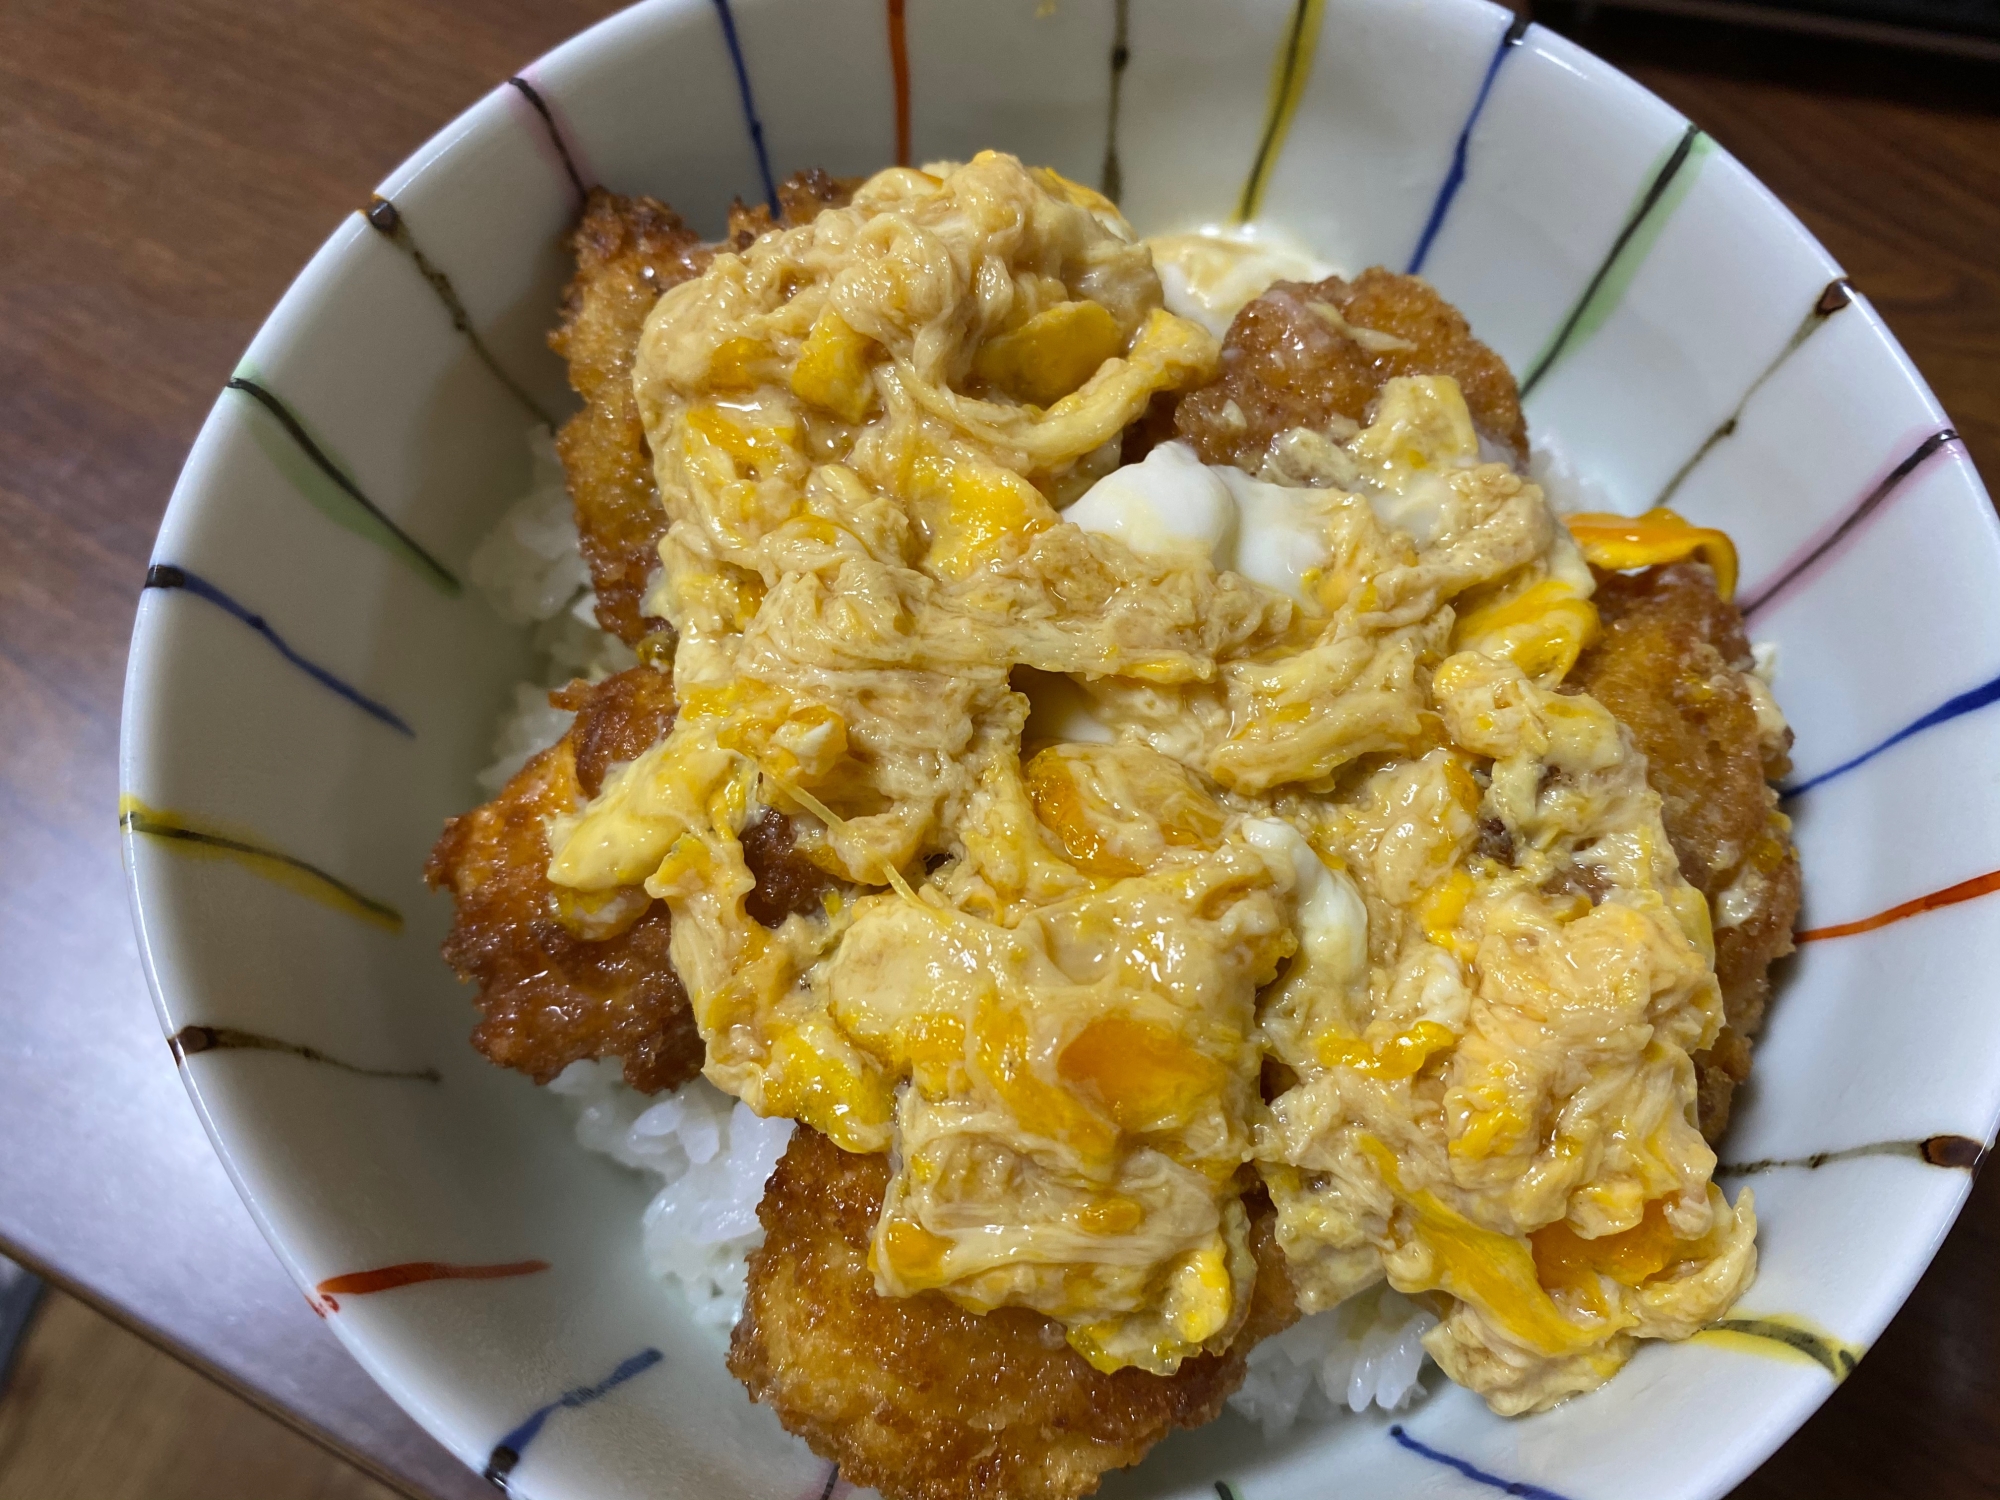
pixel 1673 665
pixel 629 251
pixel 557 982
pixel 562 976
pixel 1314 354
pixel 923 1400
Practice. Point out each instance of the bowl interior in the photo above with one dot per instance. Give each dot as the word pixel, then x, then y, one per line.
pixel 312 686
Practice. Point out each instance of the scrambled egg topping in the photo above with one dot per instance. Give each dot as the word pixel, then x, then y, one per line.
pixel 1301 789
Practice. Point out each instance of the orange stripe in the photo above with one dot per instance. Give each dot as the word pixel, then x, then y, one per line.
pixel 386 1278
pixel 1965 890
pixel 899 65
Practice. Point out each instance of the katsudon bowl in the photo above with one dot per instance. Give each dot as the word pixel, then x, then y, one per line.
pixel 313 686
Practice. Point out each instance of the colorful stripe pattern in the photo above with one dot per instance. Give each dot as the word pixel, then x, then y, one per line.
pixel 1471 1471
pixel 412 1273
pixel 1454 176
pixel 1649 215
pixel 281 869
pixel 387 220
pixel 171 576
pixel 1951 895
pixel 190 1040
pixel 1289 75
pixel 751 119
pixel 1291 72
pixel 506 1454
pixel 1849 521
pixel 1832 300
pixel 324 483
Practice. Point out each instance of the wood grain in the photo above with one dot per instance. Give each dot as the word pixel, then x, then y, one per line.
pixel 93 1411
pixel 166 168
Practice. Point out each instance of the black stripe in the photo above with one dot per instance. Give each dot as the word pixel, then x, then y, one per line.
pixel 1112 179
pixel 387 220
pixel 190 1040
pixel 1829 302
pixel 555 136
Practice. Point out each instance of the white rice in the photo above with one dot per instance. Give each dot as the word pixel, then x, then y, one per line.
pixel 531 571
pixel 710 1154
pixel 1366 1352
pixel 1568 489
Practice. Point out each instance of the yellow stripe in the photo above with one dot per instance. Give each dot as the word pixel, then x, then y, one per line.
pixel 1289 72
pixel 1785 1336
pixel 296 875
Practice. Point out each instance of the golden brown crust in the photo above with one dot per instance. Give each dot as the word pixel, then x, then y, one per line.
pixel 560 981
pixel 1670 665
pixel 787 882
pixel 549 995
pixel 1285 365
pixel 629 251
pixel 926 1401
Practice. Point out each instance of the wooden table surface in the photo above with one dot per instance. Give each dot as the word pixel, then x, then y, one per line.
pixel 165 169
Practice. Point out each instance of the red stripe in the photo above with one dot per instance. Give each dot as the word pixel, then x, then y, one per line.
pixel 387 1278
pixel 899 66
pixel 1965 890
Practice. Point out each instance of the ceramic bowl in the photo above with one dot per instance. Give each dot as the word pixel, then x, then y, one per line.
pixel 311 689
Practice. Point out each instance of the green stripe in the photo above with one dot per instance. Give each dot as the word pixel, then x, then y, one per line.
pixel 304 458
pixel 1666 188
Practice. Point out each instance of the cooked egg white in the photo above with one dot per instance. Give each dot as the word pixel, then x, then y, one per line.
pixel 1210 274
pixel 1171 503
pixel 1136 779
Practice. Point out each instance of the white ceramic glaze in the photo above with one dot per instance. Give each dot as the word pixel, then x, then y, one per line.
pixel 1881 1036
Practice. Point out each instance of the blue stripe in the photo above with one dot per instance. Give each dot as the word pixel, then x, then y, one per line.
pixel 1516 29
pixel 1476 1475
pixel 749 103
pixel 1983 696
pixel 507 1452
pixel 169 576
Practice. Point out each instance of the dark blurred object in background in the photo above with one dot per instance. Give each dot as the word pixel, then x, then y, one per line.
pixel 20 1291
pixel 1966 28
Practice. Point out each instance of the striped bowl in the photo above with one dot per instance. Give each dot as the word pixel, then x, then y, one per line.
pixel 311 688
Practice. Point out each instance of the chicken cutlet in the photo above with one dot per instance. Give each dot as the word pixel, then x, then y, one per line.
pixel 1316 355
pixel 923 1400
pixel 1674 665
pixel 564 977
pixel 560 978
pixel 629 251
pixel 920 1393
